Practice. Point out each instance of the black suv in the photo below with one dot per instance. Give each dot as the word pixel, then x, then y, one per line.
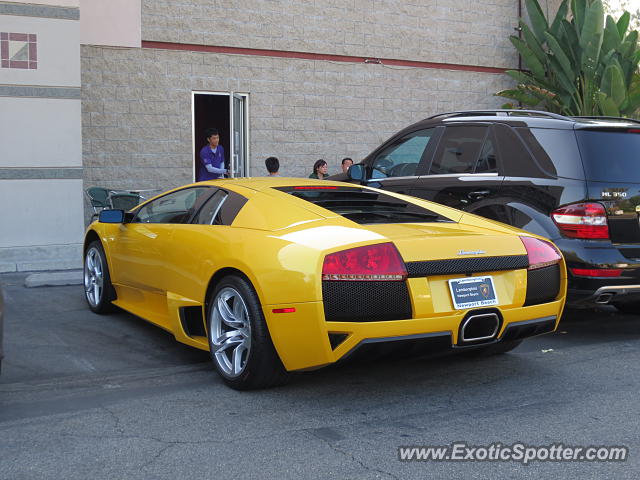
pixel 575 180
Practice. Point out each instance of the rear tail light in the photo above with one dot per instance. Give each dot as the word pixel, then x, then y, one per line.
pixel 582 220
pixel 380 262
pixel 540 252
pixel 596 272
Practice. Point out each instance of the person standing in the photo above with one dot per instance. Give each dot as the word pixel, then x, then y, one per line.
pixel 273 166
pixel 320 170
pixel 211 165
pixel 346 163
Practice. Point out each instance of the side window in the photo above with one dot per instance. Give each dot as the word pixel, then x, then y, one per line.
pixel 221 209
pixel 487 162
pixel 516 160
pixel 459 150
pixel 208 214
pixel 555 151
pixel 402 156
pixel 176 207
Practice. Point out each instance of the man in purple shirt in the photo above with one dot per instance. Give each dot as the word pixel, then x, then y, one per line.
pixel 211 163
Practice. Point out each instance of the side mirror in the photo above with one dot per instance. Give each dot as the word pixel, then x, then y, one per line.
pixel 356 172
pixel 111 216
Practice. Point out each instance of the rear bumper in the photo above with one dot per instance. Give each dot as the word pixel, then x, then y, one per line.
pixel 304 344
pixel 597 254
pixel 603 295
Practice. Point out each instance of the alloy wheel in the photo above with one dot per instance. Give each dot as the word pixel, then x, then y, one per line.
pixel 230 332
pixel 93 276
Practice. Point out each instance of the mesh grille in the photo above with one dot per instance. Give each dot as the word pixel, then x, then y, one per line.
pixel 365 301
pixel 466 265
pixel 517 332
pixel 543 285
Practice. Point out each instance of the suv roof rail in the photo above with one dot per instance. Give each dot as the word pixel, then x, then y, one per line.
pixel 585 117
pixel 503 112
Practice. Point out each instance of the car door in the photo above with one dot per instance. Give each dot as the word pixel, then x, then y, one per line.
pixel 203 246
pixel 396 164
pixel 465 168
pixel 140 253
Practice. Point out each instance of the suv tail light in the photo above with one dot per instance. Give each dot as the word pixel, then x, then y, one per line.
pixel 596 272
pixel 380 262
pixel 582 220
pixel 541 253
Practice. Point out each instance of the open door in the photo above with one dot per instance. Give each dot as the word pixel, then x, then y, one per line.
pixel 228 113
pixel 238 164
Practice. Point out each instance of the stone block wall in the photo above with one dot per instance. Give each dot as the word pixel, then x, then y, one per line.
pixel 137 124
pixel 472 32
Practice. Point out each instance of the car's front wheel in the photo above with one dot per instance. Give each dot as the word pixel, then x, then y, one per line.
pixel 239 340
pixel 98 290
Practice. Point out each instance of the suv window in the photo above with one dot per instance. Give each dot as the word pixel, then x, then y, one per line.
pixel 401 158
pixel 459 150
pixel 610 156
pixel 175 207
pixel 555 151
pixel 516 159
pixel 487 162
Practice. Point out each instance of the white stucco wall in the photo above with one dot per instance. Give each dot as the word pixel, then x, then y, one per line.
pixel 58 51
pixel 53 3
pixel 115 22
pixel 40 212
pixel 44 132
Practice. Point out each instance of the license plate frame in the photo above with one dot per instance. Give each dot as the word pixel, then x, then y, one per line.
pixel 473 292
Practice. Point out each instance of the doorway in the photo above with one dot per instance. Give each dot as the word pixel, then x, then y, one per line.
pixel 228 112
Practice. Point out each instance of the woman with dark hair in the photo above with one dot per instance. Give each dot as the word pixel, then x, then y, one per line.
pixel 320 169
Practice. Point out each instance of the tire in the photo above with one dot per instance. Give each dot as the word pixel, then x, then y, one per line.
pixel 239 341
pixel 493 349
pixel 98 290
pixel 628 307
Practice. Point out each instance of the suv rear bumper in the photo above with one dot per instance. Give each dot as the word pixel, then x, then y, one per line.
pixel 598 254
pixel 603 295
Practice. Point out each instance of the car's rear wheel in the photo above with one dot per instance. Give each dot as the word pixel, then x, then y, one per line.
pixel 493 349
pixel 239 340
pixel 98 290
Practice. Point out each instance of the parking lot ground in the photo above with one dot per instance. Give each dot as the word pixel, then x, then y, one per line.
pixel 89 396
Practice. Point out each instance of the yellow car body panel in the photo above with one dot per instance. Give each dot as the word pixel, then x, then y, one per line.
pixel 279 243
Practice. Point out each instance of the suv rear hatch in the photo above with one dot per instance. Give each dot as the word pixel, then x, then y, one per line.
pixel 611 159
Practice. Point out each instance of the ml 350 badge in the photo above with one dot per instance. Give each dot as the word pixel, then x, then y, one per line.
pixel 278 275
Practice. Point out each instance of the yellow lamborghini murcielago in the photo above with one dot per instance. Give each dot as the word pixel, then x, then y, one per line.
pixel 273 275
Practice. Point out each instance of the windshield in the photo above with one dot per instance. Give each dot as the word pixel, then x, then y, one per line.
pixel 610 156
pixel 364 206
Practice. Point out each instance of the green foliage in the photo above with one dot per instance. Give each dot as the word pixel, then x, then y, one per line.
pixel 579 64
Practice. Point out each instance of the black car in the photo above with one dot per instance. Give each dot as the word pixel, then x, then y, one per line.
pixel 575 180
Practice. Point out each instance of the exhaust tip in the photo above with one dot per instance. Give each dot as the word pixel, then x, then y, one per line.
pixel 483 326
pixel 604 298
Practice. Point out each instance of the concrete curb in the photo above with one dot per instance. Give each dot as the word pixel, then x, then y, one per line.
pixel 54 279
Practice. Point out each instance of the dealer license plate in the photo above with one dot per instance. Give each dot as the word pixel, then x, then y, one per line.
pixel 472 292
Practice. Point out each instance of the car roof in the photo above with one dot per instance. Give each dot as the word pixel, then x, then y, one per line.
pixel 530 118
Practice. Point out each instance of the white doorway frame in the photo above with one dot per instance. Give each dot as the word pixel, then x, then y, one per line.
pixel 194 147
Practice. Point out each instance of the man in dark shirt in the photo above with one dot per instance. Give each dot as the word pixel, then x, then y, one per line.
pixel 211 163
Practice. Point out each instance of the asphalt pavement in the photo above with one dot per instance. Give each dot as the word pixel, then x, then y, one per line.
pixel 112 397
